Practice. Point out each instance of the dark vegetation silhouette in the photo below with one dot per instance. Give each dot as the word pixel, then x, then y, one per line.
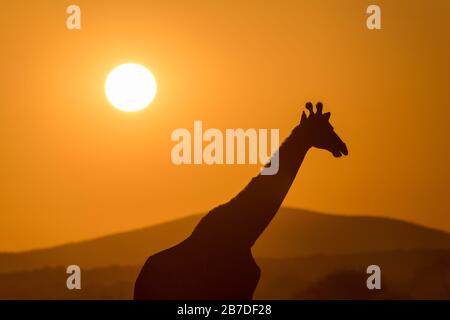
pixel 412 274
pixel 215 261
pixel 348 285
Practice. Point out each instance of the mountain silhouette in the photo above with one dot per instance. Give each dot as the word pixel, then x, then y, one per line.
pixel 293 233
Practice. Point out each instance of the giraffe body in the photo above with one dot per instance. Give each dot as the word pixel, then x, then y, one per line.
pixel 197 271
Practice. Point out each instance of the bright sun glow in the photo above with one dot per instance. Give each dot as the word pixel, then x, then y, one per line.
pixel 130 87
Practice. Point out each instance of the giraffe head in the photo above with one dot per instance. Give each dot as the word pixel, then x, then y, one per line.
pixel 320 132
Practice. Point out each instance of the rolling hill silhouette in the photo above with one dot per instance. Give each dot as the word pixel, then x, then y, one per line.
pixel 293 233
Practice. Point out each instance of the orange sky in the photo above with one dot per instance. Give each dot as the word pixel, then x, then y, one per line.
pixel 73 167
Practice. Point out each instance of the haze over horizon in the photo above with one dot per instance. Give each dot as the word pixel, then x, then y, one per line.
pixel 74 168
pixel 196 216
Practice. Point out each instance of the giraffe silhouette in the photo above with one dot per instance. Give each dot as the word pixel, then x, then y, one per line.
pixel 215 261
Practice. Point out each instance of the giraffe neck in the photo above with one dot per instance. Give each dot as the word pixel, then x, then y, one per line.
pixel 242 220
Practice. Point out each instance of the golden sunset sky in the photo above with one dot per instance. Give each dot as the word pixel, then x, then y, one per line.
pixel 72 167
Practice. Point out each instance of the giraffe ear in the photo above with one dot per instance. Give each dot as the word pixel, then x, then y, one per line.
pixel 303 116
pixel 327 116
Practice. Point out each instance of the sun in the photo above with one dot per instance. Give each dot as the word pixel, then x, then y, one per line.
pixel 130 87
